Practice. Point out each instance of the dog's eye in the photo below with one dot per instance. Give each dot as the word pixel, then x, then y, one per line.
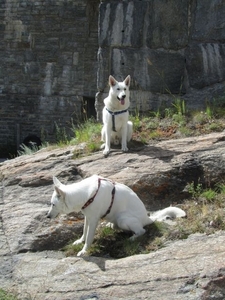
pixel 118 89
pixel 125 89
pixel 52 204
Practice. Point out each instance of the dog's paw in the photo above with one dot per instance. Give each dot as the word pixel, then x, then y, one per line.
pixel 124 149
pixel 82 253
pixel 77 242
pixel 106 152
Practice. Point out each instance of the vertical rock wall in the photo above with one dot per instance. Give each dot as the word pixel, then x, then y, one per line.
pixel 168 47
pixel 48 51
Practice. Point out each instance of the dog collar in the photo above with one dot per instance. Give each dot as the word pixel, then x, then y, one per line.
pixel 92 198
pixel 114 113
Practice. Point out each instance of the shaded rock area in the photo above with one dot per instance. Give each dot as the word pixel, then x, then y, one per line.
pixel 32 265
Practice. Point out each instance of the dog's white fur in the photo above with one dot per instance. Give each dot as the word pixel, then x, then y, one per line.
pixel 117 100
pixel 127 212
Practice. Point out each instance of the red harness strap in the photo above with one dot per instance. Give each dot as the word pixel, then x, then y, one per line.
pixel 93 197
pixel 111 204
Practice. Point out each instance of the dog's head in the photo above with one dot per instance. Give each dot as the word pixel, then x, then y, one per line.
pixel 120 89
pixel 58 204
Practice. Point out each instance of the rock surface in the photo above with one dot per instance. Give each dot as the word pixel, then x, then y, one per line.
pixel 32 266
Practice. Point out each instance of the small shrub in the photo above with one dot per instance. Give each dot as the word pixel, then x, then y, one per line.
pixel 179 119
pixel 195 190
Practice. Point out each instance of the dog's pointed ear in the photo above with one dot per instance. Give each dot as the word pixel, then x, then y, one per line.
pixel 59 191
pixel 112 81
pixel 58 187
pixel 56 181
pixel 127 80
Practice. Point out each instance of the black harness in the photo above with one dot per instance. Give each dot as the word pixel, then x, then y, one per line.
pixel 113 114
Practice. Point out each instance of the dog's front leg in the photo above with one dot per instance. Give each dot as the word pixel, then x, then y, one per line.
pixel 107 140
pixel 124 138
pixel 89 236
pixel 83 238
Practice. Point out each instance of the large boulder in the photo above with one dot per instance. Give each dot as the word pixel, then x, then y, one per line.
pixel 159 173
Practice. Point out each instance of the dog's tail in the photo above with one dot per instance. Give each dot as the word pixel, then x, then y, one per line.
pixel 171 212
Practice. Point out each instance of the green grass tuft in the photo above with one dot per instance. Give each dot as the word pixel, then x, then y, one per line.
pixel 88 134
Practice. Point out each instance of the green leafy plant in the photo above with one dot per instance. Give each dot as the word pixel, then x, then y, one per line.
pixel 136 119
pixel 209 111
pixel 179 106
pixel 209 194
pixel 179 119
pixel 195 190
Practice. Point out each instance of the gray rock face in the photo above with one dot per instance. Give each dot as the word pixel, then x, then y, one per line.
pixel 168 47
pixel 31 264
pixel 163 70
pixel 209 62
pixel 211 27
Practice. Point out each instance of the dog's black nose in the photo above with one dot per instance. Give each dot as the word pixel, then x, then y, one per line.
pixel 48 216
pixel 124 96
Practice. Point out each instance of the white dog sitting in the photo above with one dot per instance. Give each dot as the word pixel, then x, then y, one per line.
pixel 116 127
pixel 98 198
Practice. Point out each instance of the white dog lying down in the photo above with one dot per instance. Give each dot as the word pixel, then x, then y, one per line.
pixel 98 198
pixel 116 127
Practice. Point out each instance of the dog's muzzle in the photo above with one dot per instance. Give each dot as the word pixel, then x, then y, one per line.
pixel 121 98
